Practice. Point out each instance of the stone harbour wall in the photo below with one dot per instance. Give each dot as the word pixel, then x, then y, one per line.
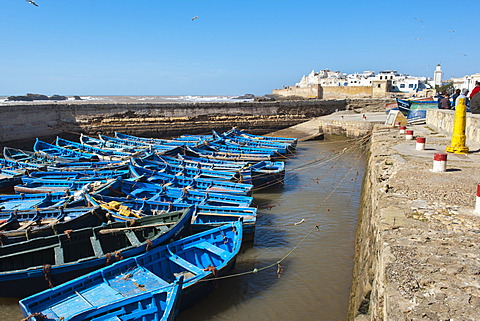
pixel 416 255
pixel 443 120
pixel 26 120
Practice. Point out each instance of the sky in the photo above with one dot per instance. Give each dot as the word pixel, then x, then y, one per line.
pixel 153 47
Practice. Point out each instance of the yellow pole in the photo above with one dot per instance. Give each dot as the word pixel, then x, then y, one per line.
pixel 458 137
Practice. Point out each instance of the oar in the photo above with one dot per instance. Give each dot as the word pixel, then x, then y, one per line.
pixel 132 228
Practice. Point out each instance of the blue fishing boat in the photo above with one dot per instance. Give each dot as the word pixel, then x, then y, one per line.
pixel 152 141
pixel 241 133
pixel 14 165
pixel 33 159
pixel 210 154
pixel 82 173
pixel 158 305
pixel 262 174
pixel 80 166
pixel 33 185
pixel 155 192
pixel 416 110
pixel 187 171
pixel 104 154
pixel 34 265
pixel 280 148
pixel 223 146
pixel 194 138
pixel 62 154
pixel 160 149
pixel 30 201
pixel 196 259
pixel 189 161
pixel 18 226
pixel 205 217
pixel 113 146
pixel 209 185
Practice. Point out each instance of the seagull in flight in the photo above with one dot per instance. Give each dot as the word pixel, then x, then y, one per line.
pixel 196 17
pixel 32 2
pixel 419 20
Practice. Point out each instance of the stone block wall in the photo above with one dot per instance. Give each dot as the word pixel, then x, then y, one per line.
pixel 443 120
pixel 342 92
pixel 305 92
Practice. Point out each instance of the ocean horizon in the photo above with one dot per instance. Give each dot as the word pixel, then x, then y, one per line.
pixel 146 98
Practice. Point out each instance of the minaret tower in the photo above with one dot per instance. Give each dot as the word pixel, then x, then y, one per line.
pixel 438 75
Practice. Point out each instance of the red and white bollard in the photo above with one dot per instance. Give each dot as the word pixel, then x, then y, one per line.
pixel 409 134
pixel 439 162
pixel 477 205
pixel 402 129
pixel 420 143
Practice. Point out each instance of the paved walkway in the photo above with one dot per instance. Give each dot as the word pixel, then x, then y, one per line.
pixel 425 236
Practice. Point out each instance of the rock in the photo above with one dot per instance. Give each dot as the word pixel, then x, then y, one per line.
pixel 246 96
pixel 58 97
pixel 77 98
pixel 28 97
pixel 38 97
pixel 19 98
pixel 265 98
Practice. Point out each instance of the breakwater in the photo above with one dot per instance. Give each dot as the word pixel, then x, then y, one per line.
pixel 417 237
pixel 27 120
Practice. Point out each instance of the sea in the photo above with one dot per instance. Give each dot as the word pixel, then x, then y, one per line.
pixel 132 99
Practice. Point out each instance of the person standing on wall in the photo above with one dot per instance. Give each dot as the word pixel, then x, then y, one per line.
pixel 445 102
pixel 475 100
pixel 476 89
pixel 455 96
pixel 463 94
pixel 439 97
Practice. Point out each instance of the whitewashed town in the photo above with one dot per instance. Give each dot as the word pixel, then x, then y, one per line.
pixel 330 84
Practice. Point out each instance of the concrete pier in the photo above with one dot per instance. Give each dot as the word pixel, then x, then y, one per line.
pixel 418 237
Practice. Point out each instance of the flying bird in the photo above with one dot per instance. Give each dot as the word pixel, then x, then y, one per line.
pixel 32 2
pixel 419 20
pixel 192 18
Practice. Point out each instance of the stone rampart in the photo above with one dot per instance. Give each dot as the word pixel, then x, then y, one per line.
pixel 29 120
pixel 306 92
pixel 443 120
pixel 342 92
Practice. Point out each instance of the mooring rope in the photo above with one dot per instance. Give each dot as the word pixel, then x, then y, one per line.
pixel 315 227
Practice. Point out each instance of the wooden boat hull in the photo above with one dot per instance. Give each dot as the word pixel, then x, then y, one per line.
pixel 53 222
pixel 209 185
pixel 155 192
pixel 204 218
pixel 195 259
pixel 29 267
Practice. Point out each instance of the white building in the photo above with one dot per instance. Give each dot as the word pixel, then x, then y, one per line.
pixel 399 82
pixel 467 82
pixel 324 78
